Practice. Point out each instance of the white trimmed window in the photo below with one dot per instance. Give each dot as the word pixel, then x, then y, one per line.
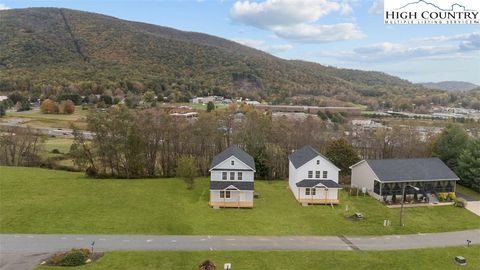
pixel 314 191
pixel 325 174
pixel 239 176
pixel 310 174
pixel 232 175
pixel 225 194
pixel 317 174
pixel 307 191
pixel 232 162
pixel 318 161
pixel 224 175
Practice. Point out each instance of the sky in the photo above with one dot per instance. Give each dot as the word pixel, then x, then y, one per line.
pixel 341 33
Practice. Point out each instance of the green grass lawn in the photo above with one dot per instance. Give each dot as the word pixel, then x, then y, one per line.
pixel 35 118
pixel 35 200
pixel 468 191
pixel 425 259
pixel 61 144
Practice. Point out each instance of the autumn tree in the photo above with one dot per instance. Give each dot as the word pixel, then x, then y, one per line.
pixel 149 97
pixel 187 170
pixel 342 154
pixel 49 106
pixel 66 107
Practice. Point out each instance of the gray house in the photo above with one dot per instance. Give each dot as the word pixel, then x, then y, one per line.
pixel 231 179
pixel 386 177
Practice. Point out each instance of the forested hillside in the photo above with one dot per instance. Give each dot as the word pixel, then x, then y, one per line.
pixel 50 50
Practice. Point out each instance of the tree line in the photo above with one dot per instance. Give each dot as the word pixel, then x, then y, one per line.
pixel 148 143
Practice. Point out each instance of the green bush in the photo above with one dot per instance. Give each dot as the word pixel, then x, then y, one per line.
pixel 74 258
pixel 442 197
pixel 461 202
pixel 55 151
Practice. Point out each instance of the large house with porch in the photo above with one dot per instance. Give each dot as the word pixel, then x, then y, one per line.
pixel 387 177
pixel 231 179
pixel 312 178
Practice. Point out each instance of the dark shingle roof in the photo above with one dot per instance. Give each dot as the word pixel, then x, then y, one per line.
pixel 304 155
pixel 314 182
pixel 221 185
pixel 236 152
pixel 411 169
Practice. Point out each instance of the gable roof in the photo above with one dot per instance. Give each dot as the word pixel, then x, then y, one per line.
pixel 304 155
pixel 221 185
pixel 236 152
pixel 314 182
pixel 426 169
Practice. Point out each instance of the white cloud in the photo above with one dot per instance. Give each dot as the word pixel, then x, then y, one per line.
pixel 388 52
pixel 376 8
pixel 319 33
pixel 3 7
pixel 296 19
pixel 260 45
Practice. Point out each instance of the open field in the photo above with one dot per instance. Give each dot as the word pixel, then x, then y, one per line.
pixel 35 118
pixel 44 201
pixel 425 259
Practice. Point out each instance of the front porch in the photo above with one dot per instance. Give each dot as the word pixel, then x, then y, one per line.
pixel 318 201
pixel 231 204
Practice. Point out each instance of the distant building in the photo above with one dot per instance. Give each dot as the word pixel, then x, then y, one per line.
pixel 308 109
pixel 312 178
pixel 205 100
pixel 231 179
pixel 2 98
pixel 187 115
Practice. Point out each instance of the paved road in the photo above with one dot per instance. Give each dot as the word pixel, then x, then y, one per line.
pixel 17 247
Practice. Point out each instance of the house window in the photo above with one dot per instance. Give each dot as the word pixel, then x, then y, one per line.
pixel 232 175
pixel 325 174
pixel 225 194
pixel 232 162
pixel 310 174
pixel 307 191
pixel 317 174
pixel 224 175
pixel 318 162
pixel 240 176
pixel 314 191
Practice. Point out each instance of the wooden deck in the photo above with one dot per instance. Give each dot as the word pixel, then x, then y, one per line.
pixel 318 201
pixel 231 204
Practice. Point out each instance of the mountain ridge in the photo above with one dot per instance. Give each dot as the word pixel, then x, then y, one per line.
pixel 70 50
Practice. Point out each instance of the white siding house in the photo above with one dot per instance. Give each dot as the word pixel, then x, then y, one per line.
pixel 312 178
pixel 232 179
pixel 387 177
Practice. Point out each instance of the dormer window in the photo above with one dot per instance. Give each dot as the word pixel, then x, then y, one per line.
pixel 232 162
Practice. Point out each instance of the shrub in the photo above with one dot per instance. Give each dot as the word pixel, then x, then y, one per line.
pixel 91 172
pixel 56 151
pixel 74 258
pixel 460 202
pixel 452 196
pixel 442 197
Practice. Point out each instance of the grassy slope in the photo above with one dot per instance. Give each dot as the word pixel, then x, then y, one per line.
pixel 43 201
pixel 468 191
pixel 425 259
